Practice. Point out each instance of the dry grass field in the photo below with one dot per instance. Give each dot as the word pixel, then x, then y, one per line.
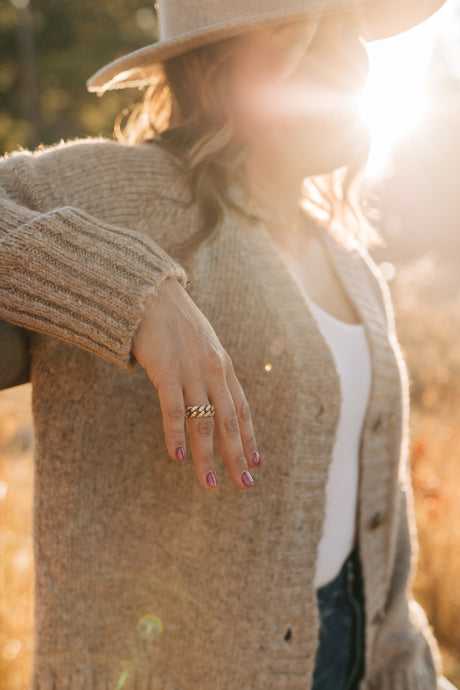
pixel 427 298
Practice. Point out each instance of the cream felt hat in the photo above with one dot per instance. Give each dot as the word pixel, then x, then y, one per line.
pixel 187 24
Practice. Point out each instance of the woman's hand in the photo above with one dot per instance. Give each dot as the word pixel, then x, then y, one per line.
pixel 186 363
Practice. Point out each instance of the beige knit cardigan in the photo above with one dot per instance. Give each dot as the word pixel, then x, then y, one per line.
pixel 143 579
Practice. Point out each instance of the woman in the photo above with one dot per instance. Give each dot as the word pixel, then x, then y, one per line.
pixel 253 317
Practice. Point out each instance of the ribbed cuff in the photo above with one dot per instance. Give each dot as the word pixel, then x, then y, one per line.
pixel 71 276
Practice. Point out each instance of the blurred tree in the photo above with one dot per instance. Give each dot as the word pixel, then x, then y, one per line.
pixel 48 48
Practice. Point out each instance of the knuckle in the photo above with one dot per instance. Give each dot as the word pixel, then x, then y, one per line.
pixel 205 427
pixel 232 424
pixel 215 363
pixel 175 413
pixel 250 441
pixel 204 463
pixel 240 463
pixel 245 414
pixel 227 362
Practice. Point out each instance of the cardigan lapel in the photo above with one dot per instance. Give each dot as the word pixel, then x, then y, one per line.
pixel 380 449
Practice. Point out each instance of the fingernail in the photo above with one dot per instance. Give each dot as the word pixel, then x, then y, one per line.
pixel 180 453
pixel 211 480
pixel 247 479
pixel 256 459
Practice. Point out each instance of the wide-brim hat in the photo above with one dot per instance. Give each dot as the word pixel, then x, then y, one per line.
pixel 187 24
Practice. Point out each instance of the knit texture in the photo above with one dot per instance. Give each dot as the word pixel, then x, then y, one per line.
pixel 143 579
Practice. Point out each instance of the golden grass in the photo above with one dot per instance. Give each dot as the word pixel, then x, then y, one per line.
pixel 16 552
pixel 427 299
pixel 428 308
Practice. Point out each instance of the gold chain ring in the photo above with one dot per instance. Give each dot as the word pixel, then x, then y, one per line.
pixel 205 410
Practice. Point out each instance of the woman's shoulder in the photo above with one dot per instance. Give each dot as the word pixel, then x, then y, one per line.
pixel 92 165
pixel 98 153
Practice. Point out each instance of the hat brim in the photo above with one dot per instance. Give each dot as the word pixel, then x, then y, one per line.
pixel 377 20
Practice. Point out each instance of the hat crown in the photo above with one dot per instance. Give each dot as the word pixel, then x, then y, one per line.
pixel 178 18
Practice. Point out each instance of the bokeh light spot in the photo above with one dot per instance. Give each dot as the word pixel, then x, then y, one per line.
pixel 388 270
pixel 3 490
pixel 22 559
pixel 268 367
pixel 11 650
pixel 146 20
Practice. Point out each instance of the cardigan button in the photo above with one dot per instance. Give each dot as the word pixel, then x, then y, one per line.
pixel 376 520
pixel 377 423
pixel 320 411
pixel 379 617
pixel 380 422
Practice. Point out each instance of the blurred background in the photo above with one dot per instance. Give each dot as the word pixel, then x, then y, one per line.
pixel 48 48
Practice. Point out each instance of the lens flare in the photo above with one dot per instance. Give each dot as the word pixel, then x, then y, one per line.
pixel 149 627
pixel 394 101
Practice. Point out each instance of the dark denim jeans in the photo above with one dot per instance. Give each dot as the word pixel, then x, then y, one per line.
pixel 340 656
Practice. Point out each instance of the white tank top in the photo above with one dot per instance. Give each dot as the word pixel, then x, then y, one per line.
pixel 351 355
pixel 350 351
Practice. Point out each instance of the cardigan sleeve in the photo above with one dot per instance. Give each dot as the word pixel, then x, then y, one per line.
pixel 405 655
pixel 68 274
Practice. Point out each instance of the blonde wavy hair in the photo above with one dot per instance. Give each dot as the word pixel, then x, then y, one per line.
pixel 185 111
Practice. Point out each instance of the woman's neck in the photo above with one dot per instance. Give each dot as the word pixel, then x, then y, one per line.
pixel 276 190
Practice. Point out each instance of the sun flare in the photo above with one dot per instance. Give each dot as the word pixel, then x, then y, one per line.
pixel 394 101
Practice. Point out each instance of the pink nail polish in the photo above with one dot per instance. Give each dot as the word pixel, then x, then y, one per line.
pixel 211 480
pixel 180 453
pixel 256 459
pixel 247 479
